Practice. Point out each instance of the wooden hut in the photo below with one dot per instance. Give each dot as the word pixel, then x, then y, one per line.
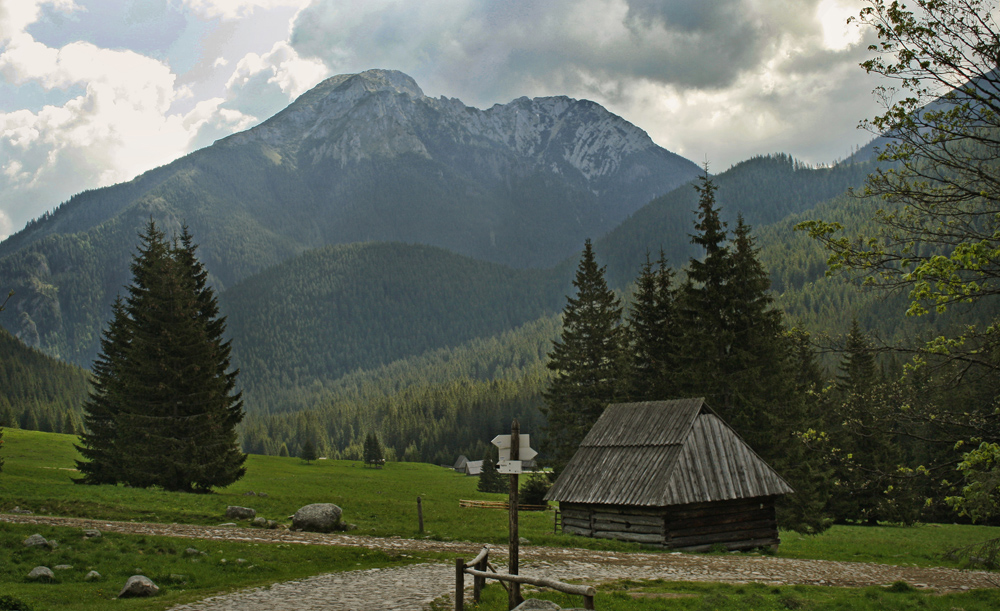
pixel 460 463
pixel 670 474
pixel 473 467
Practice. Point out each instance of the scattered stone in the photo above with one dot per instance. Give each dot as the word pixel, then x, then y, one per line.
pixel 63 567
pixel 259 522
pixel 240 513
pixel 250 493
pixel 41 573
pixel 227 525
pixel 36 540
pixel 523 541
pixel 241 561
pixel 138 586
pixel 91 533
pixel 138 571
pixel 223 561
pixel 318 517
pixel 193 552
pixel 52 543
pixel 271 524
pixel 535 604
pixel 92 576
pixel 21 511
pixel 263 494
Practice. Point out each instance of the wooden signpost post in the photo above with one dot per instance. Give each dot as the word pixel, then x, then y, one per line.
pixel 513 449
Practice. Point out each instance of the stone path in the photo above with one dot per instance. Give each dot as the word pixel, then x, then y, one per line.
pixel 411 588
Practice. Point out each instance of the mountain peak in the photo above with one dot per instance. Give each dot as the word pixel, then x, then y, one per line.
pixel 377 80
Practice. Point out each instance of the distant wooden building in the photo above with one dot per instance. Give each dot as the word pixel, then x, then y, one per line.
pixel 671 474
pixel 473 467
pixel 460 463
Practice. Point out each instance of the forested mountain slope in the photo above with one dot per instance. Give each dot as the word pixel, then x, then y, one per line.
pixel 37 391
pixel 365 157
pixel 764 189
pixel 338 309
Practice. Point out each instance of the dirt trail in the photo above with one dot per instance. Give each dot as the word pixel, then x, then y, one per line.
pixel 570 563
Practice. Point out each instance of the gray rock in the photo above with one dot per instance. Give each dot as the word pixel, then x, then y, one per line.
pixel 36 540
pixel 41 573
pixel 263 494
pixel 227 525
pixel 318 517
pixel 63 567
pixel 535 604
pixel 91 533
pixel 52 543
pixel 259 522
pixel 92 576
pixel 22 511
pixel 250 493
pixel 271 524
pixel 138 586
pixel 192 552
pixel 240 513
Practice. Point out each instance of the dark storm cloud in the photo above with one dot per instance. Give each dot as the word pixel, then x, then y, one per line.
pixel 489 50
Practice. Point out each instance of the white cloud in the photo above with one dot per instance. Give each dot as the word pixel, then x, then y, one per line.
pixel 120 126
pixel 236 9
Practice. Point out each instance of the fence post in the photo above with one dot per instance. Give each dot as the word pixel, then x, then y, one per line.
pixel 477 581
pixel 420 515
pixel 459 584
pixel 588 602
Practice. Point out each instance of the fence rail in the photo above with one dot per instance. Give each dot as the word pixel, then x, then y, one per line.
pixel 500 505
pixel 477 568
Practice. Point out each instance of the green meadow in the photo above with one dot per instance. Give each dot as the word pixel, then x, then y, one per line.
pixel 687 596
pixel 38 475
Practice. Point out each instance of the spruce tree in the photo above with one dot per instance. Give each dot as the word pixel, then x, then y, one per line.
pixel 308 452
pixel 163 411
pixel 373 450
pixel 587 361
pixel 101 462
pixel 653 336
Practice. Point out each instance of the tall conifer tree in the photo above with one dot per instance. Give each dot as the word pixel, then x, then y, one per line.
pixel 164 412
pixel 587 361
pixel 653 335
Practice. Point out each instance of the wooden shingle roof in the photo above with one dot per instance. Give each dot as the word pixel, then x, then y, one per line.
pixel 662 453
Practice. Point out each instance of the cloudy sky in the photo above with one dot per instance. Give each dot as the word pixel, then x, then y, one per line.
pixel 94 92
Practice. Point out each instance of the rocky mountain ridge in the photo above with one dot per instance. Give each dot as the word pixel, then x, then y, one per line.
pixel 353 117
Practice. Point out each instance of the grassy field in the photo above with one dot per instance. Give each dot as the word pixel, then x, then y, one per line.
pixel 37 477
pixel 659 595
pixel 181 577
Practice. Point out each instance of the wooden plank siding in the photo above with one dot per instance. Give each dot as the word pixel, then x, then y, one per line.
pixel 736 525
pixel 672 474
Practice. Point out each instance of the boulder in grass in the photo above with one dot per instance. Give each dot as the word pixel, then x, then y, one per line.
pixel 91 533
pixel 240 513
pixel 139 586
pixel 92 576
pixel 317 518
pixel 41 573
pixel 259 522
pixel 537 604
pixel 36 540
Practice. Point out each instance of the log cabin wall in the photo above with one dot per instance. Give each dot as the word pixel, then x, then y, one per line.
pixel 736 525
pixel 739 524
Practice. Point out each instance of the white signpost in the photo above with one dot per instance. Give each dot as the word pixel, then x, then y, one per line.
pixel 513 449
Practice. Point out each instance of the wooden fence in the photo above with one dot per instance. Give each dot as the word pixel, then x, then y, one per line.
pixel 500 505
pixel 477 567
